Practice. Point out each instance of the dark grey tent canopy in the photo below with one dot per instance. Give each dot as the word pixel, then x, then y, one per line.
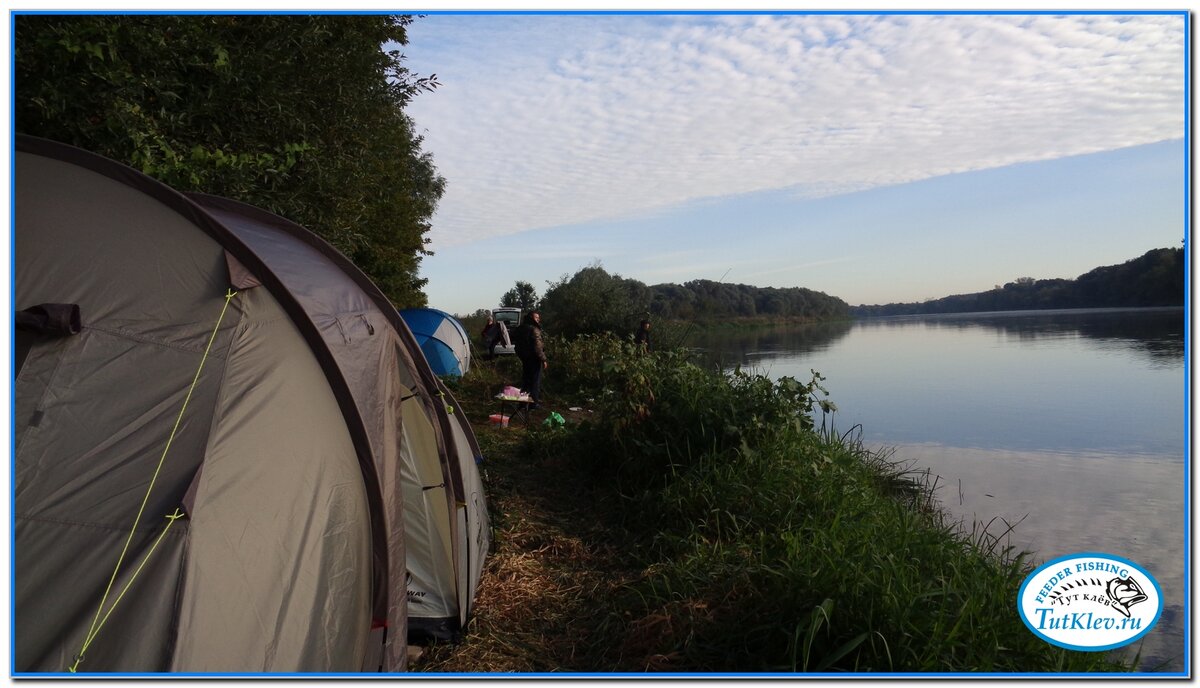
pixel 217 400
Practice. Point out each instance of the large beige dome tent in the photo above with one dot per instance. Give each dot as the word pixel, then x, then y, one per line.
pixel 220 427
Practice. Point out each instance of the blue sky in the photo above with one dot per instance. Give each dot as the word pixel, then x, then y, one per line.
pixel 873 157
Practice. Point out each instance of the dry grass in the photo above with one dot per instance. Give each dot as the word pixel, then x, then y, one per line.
pixel 545 601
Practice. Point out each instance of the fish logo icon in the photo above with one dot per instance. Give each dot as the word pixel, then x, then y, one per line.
pixel 1124 593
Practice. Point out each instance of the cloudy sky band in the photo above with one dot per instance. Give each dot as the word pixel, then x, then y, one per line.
pixel 552 127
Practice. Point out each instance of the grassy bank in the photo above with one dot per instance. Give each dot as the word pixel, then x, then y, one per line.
pixel 695 522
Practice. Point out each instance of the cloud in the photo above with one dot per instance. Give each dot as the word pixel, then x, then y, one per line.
pixel 562 120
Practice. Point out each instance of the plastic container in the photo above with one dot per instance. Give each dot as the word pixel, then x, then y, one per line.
pixel 498 419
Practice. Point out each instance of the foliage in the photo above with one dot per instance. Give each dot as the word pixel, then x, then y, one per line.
pixel 593 301
pixel 656 405
pixel 706 299
pixel 522 296
pixel 771 545
pixel 301 115
pixel 756 541
pixel 1154 279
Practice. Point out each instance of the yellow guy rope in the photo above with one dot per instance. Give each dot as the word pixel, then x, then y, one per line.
pixel 97 622
pixel 449 408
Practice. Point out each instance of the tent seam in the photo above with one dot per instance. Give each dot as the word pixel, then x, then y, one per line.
pixel 126 334
pixel 82 524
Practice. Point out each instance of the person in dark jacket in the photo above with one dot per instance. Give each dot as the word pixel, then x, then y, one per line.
pixel 642 337
pixel 489 335
pixel 532 353
pixel 492 336
pixel 490 327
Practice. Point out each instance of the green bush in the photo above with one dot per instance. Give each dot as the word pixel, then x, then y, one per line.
pixel 661 411
pixel 774 546
pixel 302 115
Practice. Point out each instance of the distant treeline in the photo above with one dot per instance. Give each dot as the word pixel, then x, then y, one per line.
pixel 594 300
pixel 707 299
pixel 1154 279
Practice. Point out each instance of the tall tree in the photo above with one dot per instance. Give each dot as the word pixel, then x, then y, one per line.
pixel 592 300
pixel 522 296
pixel 301 115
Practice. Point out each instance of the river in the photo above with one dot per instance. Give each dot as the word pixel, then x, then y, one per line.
pixel 1068 425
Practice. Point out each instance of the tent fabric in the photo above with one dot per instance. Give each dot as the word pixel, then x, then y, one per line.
pixel 289 466
pixel 442 339
pixel 425 494
pixel 320 620
pixel 447 529
pixel 471 517
pixel 431 585
pixel 363 348
pixel 84 456
pixel 440 607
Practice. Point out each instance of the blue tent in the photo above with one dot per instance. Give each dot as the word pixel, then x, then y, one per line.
pixel 442 338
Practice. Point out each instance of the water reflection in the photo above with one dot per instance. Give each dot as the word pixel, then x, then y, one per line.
pixel 1071 420
pixel 1156 333
pixel 1101 381
pixel 1069 503
pixel 732 347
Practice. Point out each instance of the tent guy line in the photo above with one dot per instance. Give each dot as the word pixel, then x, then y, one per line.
pixel 97 623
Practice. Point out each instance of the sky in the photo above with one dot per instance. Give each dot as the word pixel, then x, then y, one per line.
pixel 874 157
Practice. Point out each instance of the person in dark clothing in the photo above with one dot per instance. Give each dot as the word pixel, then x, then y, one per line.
pixel 490 330
pixel 642 337
pixel 532 353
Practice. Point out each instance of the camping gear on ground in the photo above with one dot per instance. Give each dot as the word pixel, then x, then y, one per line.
pixel 442 338
pixel 554 420
pixel 518 400
pixel 240 456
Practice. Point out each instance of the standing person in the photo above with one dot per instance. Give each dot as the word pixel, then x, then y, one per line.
pixel 533 357
pixel 490 330
pixel 487 330
pixel 642 337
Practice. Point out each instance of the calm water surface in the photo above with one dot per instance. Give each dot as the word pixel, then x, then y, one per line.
pixel 1069 424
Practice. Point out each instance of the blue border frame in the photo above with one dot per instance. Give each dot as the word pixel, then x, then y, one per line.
pixel 12 349
pixel 1187 573
pixel 596 12
pixel 1187 342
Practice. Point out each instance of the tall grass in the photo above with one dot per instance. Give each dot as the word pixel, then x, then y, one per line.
pixel 770 545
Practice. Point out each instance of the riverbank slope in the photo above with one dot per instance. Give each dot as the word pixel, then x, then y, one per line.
pixel 683 521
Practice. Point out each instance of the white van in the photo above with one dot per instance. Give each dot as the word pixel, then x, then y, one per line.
pixel 509 319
